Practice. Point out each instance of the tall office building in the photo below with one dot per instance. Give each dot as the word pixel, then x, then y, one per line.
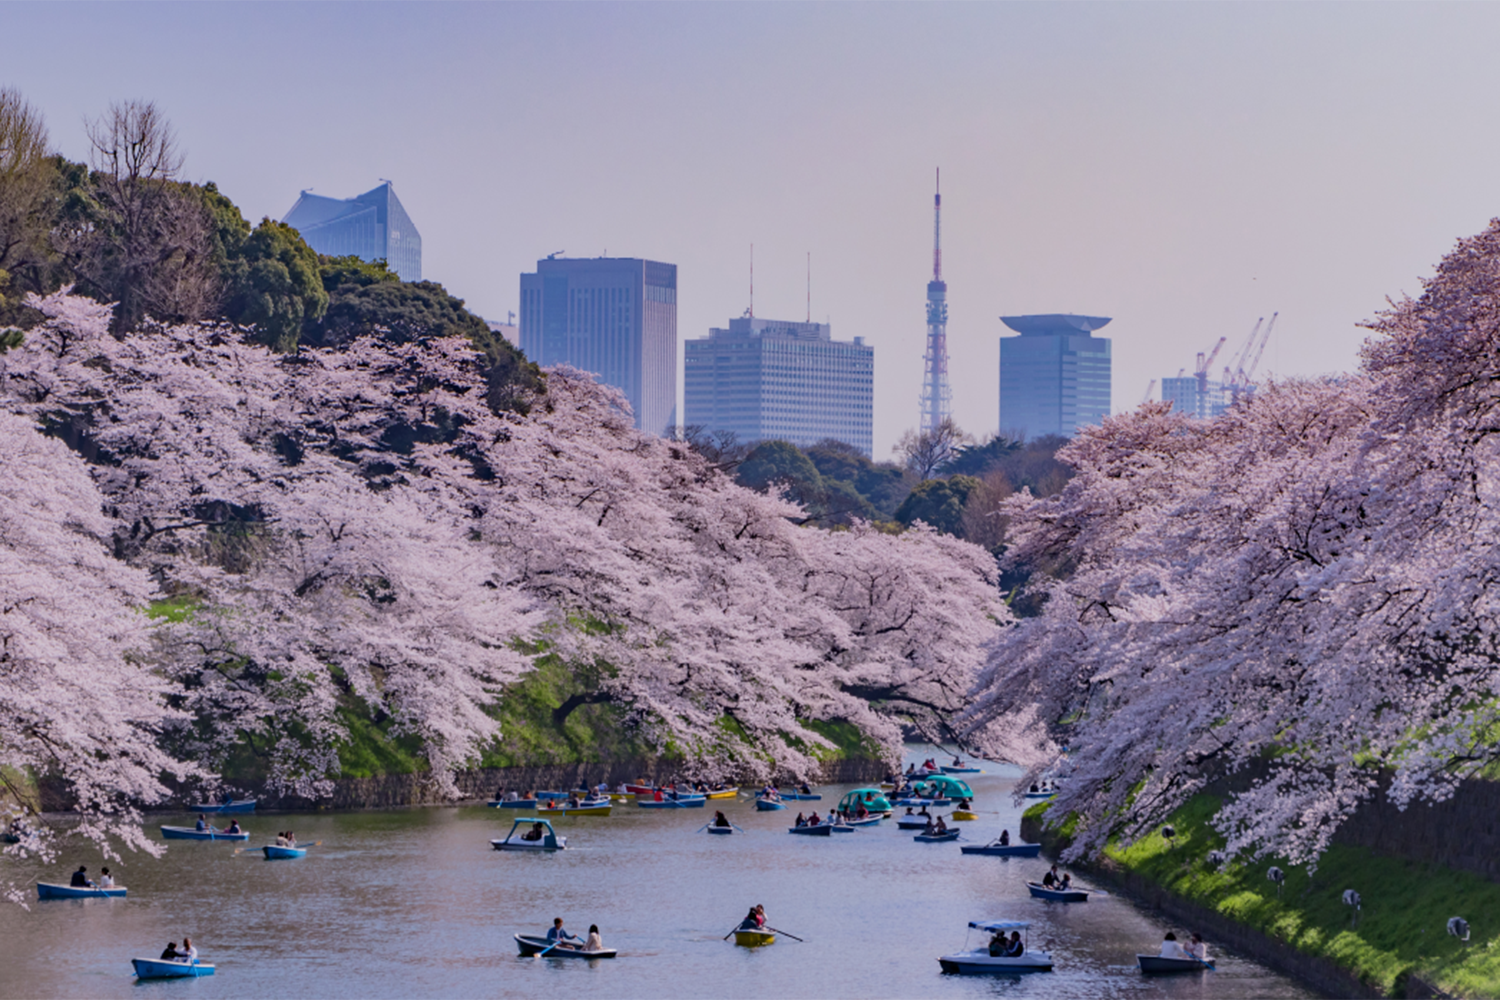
pixel 613 316
pixel 768 380
pixel 372 227
pixel 1054 377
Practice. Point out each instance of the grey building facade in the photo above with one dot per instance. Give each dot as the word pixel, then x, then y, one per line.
pixel 372 226
pixel 773 380
pixel 1055 376
pixel 613 316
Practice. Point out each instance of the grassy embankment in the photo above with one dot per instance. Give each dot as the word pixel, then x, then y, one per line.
pixel 1402 928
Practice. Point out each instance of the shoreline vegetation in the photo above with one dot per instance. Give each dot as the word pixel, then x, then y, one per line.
pixel 1394 945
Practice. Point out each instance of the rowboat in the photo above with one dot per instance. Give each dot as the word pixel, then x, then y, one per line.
pixel 511 803
pixel 640 789
pixel 1003 850
pixel 48 890
pixel 867 821
pixel 723 793
pixel 936 838
pixel 188 833
pixel 551 795
pixel 801 797
pixel 961 770
pixel 1041 794
pixel 913 822
pixel 754 939
pixel 531 944
pixel 549 840
pixel 978 961
pixel 766 805
pixel 237 806
pixel 274 853
pixel 917 802
pixel 1069 895
pixel 163 968
pixel 1157 964
pixel 821 830
pixel 681 802
pixel 721 830
pixel 593 807
pixel 963 814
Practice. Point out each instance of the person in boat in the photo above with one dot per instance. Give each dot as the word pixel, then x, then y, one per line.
pixel 1004 840
pixel 595 942
pixel 202 824
pixel 752 921
pixel 801 820
pixel 1066 882
pixel 720 819
pixel 923 811
pixel 106 880
pixel 1050 879
pixel 81 879
pixel 860 812
pixel 962 804
pixel 1017 947
pixel 911 769
pixel 814 819
pixel 941 826
pixel 188 952
pixel 574 801
pixel 291 839
pixel 560 937
pixel 908 810
pixel 535 833
pixel 957 762
pixel 1171 949
pixel 281 840
pixel 804 789
pixel 1197 948
pixel 999 946
pixel 1034 789
pixel 234 827
pixel 169 953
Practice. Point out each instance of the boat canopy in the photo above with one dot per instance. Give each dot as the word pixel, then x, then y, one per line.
pixel 999 925
pixel 949 786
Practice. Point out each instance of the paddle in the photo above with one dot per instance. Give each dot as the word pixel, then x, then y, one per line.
pixel 784 933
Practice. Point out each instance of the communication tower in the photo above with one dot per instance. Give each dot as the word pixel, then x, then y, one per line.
pixel 937 395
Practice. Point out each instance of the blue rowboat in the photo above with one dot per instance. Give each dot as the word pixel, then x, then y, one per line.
pixel 274 853
pixel 1069 895
pixel 535 944
pixel 801 797
pixel 188 833
pixel 47 890
pixel 867 821
pixel 1003 850
pixel 684 802
pixel 912 822
pixel 766 805
pixel 161 968
pixel 237 806
pixel 1157 964
pixel 841 827
pixel 721 830
pixel 821 830
pixel 917 802
pixel 552 795
pixel 511 803
pixel 961 770
pixel 936 838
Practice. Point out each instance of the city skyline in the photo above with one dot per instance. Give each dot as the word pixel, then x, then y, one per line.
pixel 1195 168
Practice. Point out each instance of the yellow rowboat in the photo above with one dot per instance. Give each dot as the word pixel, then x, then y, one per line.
pixel 622 796
pixel 753 939
pixel 727 793
pixel 961 814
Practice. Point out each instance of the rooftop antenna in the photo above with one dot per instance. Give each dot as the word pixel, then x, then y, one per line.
pixel 752 281
pixel 809 286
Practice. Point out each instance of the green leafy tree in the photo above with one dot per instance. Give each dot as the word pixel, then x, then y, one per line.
pixel 883 485
pixel 940 503
pixel 782 463
pixel 271 281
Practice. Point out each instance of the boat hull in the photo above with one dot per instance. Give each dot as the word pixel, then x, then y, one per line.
pixel 981 962
pixel 511 803
pixel 530 944
pixel 240 806
pixel 591 809
pixel 867 821
pixel 911 823
pixel 722 831
pixel 724 793
pixel 962 770
pixel 961 815
pixel 801 797
pixel 1058 895
pixel 158 968
pixel 188 833
pixel 754 939
pixel 821 830
pixel 917 803
pixel 768 805
pixel 936 838
pixel 1003 851
pixel 48 890
pixel 274 853
pixel 683 803
pixel 1156 965
pixel 528 845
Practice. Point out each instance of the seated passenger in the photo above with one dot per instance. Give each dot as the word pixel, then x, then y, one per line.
pixel 81 878
pixel 535 833
pixel 1197 948
pixel 234 827
pixel 999 947
pixel 202 824
pixel 1171 949
pixel 1017 947
pixel 801 820
pixel 595 942
pixel 106 880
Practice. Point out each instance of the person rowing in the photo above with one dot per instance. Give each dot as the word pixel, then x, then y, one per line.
pixel 1051 879
pixel 202 825
pixel 1171 949
pixel 720 820
pixel 559 937
pixel 1004 840
pixel 81 879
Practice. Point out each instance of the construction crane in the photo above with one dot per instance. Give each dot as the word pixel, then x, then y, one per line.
pixel 1149 390
pixel 1200 371
pixel 1239 381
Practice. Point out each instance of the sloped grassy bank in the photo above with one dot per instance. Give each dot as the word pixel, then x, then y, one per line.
pixel 1399 946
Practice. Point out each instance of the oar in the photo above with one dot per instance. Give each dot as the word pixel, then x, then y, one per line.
pixel 701 828
pixel 792 936
pixel 727 936
pixel 738 827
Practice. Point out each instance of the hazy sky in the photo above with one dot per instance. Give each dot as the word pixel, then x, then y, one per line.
pixel 1183 168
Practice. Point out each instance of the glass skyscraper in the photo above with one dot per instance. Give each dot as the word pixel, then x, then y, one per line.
pixel 1054 377
pixel 772 380
pixel 613 316
pixel 372 227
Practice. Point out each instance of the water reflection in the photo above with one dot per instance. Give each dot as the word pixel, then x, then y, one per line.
pixel 413 902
